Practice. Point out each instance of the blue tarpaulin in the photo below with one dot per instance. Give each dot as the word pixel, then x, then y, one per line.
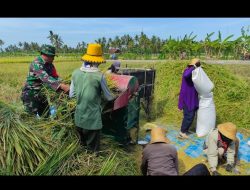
pixel 193 146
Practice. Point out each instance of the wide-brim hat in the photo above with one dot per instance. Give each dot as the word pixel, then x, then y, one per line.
pixel 49 50
pixel 158 134
pixel 228 130
pixel 194 61
pixel 94 54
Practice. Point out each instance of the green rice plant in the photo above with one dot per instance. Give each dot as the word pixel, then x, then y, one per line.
pixel 109 165
pixel 29 59
pixel 22 148
pixel 61 125
pixel 111 160
pixel 111 83
pixel 51 165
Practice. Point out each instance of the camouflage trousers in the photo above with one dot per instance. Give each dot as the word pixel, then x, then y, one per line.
pixel 35 103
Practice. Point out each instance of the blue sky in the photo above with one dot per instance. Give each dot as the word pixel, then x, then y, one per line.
pixel 74 30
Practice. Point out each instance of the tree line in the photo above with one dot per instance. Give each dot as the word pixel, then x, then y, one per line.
pixel 169 48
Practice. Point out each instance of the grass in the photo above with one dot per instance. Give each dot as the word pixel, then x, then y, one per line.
pixel 241 71
pixel 231 95
pixel 27 59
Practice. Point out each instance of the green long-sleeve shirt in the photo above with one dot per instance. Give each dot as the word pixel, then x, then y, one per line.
pixel 87 87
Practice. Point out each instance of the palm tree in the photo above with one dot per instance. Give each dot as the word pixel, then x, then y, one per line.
pixel 1 44
pixel 81 46
pixel 144 43
pixel 104 43
pixel 117 42
pixel 20 44
pixel 26 46
pixel 58 42
pixel 65 48
pixel 55 40
pixel 34 46
pixel 51 37
pixel 127 42
pixel 109 44
pixel 154 44
pixel 12 49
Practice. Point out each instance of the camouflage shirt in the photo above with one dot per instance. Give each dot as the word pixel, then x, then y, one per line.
pixel 41 73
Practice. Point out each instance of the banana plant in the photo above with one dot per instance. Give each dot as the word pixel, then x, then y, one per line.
pixel 207 45
pixel 225 46
pixel 220 46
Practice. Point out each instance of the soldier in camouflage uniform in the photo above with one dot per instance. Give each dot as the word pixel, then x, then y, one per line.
pixel 41 72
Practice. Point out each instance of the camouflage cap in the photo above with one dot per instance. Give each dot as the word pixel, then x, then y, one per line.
pixel 49 50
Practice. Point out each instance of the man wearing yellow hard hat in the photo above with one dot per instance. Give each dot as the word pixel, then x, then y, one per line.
pixel 160 157
pixel 87 85
pixel 222 143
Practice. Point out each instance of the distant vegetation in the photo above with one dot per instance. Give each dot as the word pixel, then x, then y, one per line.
pixel 143 47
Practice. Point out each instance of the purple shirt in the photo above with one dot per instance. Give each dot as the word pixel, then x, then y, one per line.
pixel 188 94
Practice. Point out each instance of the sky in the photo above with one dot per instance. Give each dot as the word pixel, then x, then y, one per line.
pixel 74 30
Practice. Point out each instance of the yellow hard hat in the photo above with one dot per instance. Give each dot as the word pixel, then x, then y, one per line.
pixel 94 54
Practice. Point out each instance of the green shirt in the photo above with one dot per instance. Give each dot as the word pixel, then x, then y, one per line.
pixel 88 90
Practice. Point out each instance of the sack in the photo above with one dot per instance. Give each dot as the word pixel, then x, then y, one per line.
pixel 206 115
pixel 202 83
pixel 206 100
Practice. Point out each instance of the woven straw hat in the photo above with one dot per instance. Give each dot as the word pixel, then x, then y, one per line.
pixel 194 61
pixel 158 135
pixel 228 130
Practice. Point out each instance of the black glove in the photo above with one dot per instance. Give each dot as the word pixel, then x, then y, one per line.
pixel 215 173
pixel 197 64
pixel 229 168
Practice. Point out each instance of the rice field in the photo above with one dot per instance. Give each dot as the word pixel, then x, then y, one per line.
pixel 66 157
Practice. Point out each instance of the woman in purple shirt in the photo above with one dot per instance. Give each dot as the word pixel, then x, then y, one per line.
pixel 188 98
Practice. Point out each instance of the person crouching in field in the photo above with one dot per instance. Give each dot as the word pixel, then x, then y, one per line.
pixel 222 144
pixel 188 98
pixel 41 73
pixel 161 158
pixel 87 85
